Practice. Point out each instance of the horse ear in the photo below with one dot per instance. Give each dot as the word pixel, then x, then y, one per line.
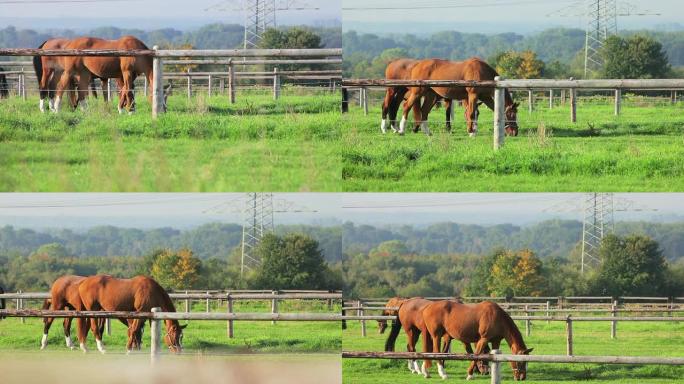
pixel 528 351
pixel 183 326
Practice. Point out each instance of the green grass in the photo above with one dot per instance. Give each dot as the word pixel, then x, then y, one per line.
pixel 202 144
pixel 633 339
pixel 641 150
pixel 200 337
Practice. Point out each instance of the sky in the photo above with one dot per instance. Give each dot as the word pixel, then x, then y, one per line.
pixel 149 14
pixel 187 210
pixel 520 16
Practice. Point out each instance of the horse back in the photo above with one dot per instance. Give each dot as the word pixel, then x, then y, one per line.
pixel 411 312
pixel 400 69
pixel 64 291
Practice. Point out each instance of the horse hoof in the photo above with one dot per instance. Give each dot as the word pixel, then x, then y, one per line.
pixel 444 377
pixel 469 377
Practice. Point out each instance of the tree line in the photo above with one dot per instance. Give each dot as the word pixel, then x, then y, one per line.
pixel 288 261
pixel 213 240
pixel 553 53
pixel 632 264
pixel 212 36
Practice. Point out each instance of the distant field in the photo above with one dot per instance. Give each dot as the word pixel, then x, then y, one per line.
pixel 201 144
pixel 200 337
pixel 633 339
pixel 641 150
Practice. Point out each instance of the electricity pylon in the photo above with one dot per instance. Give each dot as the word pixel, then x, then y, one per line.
pixel 259 15
pixel 598 220
pixel 601 23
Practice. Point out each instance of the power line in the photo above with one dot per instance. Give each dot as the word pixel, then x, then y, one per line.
pixel 62 1
pixel 446 6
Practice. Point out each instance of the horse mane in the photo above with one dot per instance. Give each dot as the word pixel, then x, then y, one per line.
pixel 38 63
pixel 513 331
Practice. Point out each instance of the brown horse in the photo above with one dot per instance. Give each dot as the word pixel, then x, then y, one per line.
pixel 400 69
pixel 471 69
pixel 391 303
pixel 3 304
pixel 140 294
pixel 64 295
pixel 4 88
pixel 126 69
pixel 49 71
pixel 481 323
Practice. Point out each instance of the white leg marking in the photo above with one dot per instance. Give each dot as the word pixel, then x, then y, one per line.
pixel 128 351
pixel 43 341
pixel 402 125
pixel 440 369
pixel 100 347
pixel 469 377
pixel 83 104
pixel 416 367
pixel 83 348
pixel 120 110
pixel 382 126
pixel 425 128
pixel 426 374
pixel 51 103
pixel 69 343
pixel 410 365
pixel 42 105
pixel 58 101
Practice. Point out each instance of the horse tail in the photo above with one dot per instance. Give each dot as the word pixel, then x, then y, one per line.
pixel 392 337
pixel 38 68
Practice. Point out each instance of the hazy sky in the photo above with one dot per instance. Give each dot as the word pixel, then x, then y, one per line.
pixel 161 9
pixel 491 12
pixel 189 210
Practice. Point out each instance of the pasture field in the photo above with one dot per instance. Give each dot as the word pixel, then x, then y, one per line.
pixel 202 144
pixel 640 150
pixel 633 339
pixel 200 337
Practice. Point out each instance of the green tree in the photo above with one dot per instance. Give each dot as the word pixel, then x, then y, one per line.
pixel 292 38
pixel 634 57
pixel 176 270
pixel 293 261
pixel 518 65
pixel 389 248
pixel 631 265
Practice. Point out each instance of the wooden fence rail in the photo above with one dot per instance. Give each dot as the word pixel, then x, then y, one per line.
pixel 202 296
pixel 499 84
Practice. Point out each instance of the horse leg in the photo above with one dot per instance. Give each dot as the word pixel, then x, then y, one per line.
pixel 389 98
pixel 104 86
pixel 47 323
pixel 67 332
pixel 410 337
pixel 63 83
pixel 414 341
pixel 83 88
pixel 449 105
pixel 471 367
pixel 414 96
pixel 473 113
pixel 44 86
pixel 399 94
pixel 436 347
pixel 424 111
pixel 479 348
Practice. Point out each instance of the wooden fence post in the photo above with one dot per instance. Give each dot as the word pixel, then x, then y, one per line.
pixel 276 84
pixel 618 100
pixel 548 306
pixel 108 326
pixel 363 322
pixel 550 98
pixel 365 101
pixel 499 115
pixel 208 303
pixel 345 100
pixel 109 90
pixel 222 85
pixel 187 304
pixel 495 370
pixel 562 97
pixel 231 82
pixel 23 85
pixel 145 85
pixel 568 328
pixel 209 89
pixel 274 305
pixel 528 322
pixel 189 83
pixel 230 322
pixel 613 324
pixel 20 305
pixel 155 332
pixel 530 100
pixel 157 86
pixel 573 105
pixel 673 97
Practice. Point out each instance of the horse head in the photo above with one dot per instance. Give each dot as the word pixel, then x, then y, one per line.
pixel 174 336
pixel 520 367
pixel 511 124
pixel 471 114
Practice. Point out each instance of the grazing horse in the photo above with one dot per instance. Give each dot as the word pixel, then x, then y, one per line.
pixel 4 88
pixel 391 303
pixel 481 323
pixel 471 69
pixel 124 68
pixel 49 71
pixel 140 294
pixel 400 69
pixel 64 295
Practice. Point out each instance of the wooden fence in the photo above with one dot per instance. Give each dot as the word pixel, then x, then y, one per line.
pixel 230 297
pixel 156 317
pixel 158 56
pixel 496 358
pixel 499 84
